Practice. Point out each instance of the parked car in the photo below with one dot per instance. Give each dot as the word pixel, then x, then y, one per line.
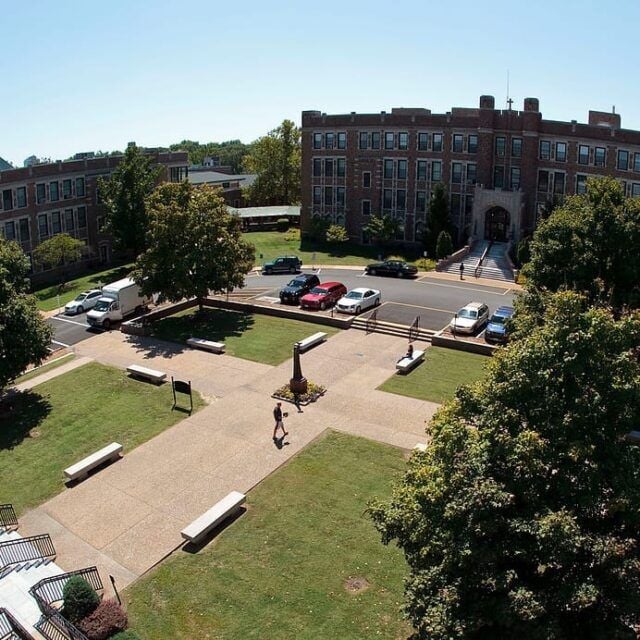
pixel 470 318
pixel 323 296
pixel 358 300
pixel 498 328
pixel 396 268
pixel 283 264
pixel 300 285
pixel 83 301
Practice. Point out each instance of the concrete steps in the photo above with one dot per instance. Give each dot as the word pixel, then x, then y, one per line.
pixel 391 329
pixel 494 266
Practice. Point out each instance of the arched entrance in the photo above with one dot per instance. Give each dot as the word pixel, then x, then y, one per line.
pixel 496 224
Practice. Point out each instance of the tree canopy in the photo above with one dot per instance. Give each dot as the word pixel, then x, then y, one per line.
pixel 61 249
pixel 522 517
pixel 194 245
pixel 444 246
pixel 382 229
pixel 231 152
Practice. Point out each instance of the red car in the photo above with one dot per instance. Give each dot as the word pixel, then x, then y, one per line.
pixel 323 296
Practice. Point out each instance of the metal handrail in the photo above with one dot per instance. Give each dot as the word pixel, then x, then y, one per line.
pixel 414 329
pixel 11 629
pixel 50 590
pixel 8 517
pixel 26 549
pixel 478 268
pixel 57 627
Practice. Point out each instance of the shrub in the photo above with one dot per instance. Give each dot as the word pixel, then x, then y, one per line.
pixel 317 229
pixel 108 619
pixel 282 224
pixel 79 599
pixel 444 245
pixel 523 252
pixel 336 233
pixel 293 235
pixel 129 634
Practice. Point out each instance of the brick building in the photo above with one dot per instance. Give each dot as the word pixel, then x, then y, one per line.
pixel 39 201
pixel 501 167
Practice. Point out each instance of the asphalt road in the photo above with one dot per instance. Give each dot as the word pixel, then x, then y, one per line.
pixel 434 300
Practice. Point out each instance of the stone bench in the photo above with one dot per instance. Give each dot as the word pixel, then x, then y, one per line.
pixel 316 338
pixel 207 521
pixel 148 374
pixel 406 364
pixel 208 345
pixel 80 470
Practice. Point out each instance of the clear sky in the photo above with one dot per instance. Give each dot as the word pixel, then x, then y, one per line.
pixel 87 75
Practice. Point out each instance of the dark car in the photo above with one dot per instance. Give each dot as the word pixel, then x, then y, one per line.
pixel 498 327
pixel 396 268
pixel 283 264
pixel 323 296
pixel 300 285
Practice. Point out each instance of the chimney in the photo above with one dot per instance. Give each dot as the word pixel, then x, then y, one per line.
pixel 532 104
pixel 487 102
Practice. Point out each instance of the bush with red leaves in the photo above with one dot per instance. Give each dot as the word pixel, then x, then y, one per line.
pixel 108 619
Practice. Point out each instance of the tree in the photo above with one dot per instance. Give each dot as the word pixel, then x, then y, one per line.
pixel 336 234
pixel 317 228
pixel 523 251
pixel 589 244
pixel 522 517
pixel 194 245
pixel 437 218
pixel 79 599
pixel 276 159
pixel 444 246
pixel 230 153
pixel 382 229
pixel 24 336
pixel 59 250
pixel 124 196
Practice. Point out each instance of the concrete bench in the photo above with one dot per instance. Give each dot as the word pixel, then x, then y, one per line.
pixel 406 364
pixel 208 345
pixel 81 469
pixel 207 521
pixel 316 338
pixel 148 374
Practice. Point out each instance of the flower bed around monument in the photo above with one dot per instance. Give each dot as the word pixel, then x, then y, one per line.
pixel 314 391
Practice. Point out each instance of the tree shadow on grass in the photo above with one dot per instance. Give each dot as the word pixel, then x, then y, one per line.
pixel 210 324
pixel 20 415
pixel 344 249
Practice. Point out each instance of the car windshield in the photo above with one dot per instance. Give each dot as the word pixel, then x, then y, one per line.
pixel 319 290
pixel 296 283
pixel 101 305
pixel 356 295
pixel 498 319
pixel 471 314
pixel 81 297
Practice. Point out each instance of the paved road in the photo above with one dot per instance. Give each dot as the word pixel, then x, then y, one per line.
pixel 69 330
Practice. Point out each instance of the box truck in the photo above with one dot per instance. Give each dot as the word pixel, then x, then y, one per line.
pixel 119 300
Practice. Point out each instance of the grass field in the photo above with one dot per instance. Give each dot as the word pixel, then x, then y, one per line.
pixel 47 297
pixel 280 571
pixel 254 337
pixel 44 368
pixel 272 244
pixel 437 378
pixel 45 430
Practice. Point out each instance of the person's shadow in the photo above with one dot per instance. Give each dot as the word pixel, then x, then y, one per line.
pixel 279 442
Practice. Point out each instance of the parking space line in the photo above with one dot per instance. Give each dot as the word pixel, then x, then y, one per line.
pixel 62 344
pixel 80 324
pixel 418 306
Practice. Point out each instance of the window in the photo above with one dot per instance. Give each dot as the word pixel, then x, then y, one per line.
pixel 317 141
pixel 10 230
pixel 366 179
pixel 317 195
pixel 423 141
pixel 455 205
pixel 7 199
pixel 342 140
pixel 457 145
pixel 501 143
pixel 635 189
pixel 623 159
pixel 54 194
pixel 363 140
pixel 516 147
pixel 403 140
pixel 341 167
pixel 68 220
pixel 581 184
pixel 437 142
pixel 421 170
pixel 558 183
pixel 21 196
pixel 56 223
pixel 375 140
pixel 176 174
pixel 366 207
pixel 389 140
pixel 543 181
pixel 388 169
pixel 583 154
pixel 80 185
pixel 328 140
pixel 472 169
pixel 545 150
pixel 515 178
pixel 66 189
pixel 472 144
pixel 340 196
pixel 561 151
pixel 421 201
pixel 387 199
pixel 41 193
pixel 328 168
pixel 25 234
pixel 498 177
pixel 328 196
pixel 600 157
pixel 436 171
pixel 402 169
pixel 636 162
pixel 82 217
pixel 456 172
pixel 317 167
pixel 401 199
pixel 43 226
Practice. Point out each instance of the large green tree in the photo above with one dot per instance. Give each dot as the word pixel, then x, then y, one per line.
pixel 61 249
pixel 231 152
pixel 522 517
pixel 194 245
pixel 382 229
pixel 276 159
pixel 590 244
pixel 124 196
pixel 24 336
pixel 437 218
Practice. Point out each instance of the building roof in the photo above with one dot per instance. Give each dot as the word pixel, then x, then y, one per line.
pixel 217 178
pixel 282 211
pixel 4 165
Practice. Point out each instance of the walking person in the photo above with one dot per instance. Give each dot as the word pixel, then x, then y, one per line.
pixel 461 271
pixel 278 417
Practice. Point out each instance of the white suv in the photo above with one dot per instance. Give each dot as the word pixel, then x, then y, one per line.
pixel 83 301
pixel 470 318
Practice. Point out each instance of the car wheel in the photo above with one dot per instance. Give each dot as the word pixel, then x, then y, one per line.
pixel 323 306
pixel 358 310
pixel 399 274
pixel 372 272
pixel 292 269
pixel 377 302
pixel 80 309
pixel 106 324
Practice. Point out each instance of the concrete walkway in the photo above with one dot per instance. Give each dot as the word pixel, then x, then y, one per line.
pixel 52 373
pixel 128 517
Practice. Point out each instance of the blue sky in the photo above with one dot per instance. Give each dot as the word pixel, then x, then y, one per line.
pixel 78 75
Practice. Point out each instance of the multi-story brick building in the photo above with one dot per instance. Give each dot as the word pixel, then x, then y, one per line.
pixel 501 167
pixel 39 201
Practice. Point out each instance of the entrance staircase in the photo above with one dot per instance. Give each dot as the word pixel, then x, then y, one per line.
pixel 485 260
pixel 371 324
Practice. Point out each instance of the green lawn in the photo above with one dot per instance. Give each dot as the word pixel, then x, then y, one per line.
pixel 44 368
pixel 45 430
pixel 279 571
pixel 437 378
pixel 47 297
pixel 272 244
pixel 254 337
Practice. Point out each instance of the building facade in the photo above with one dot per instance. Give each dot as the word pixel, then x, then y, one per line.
pixel 502 168
pixel 40 201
